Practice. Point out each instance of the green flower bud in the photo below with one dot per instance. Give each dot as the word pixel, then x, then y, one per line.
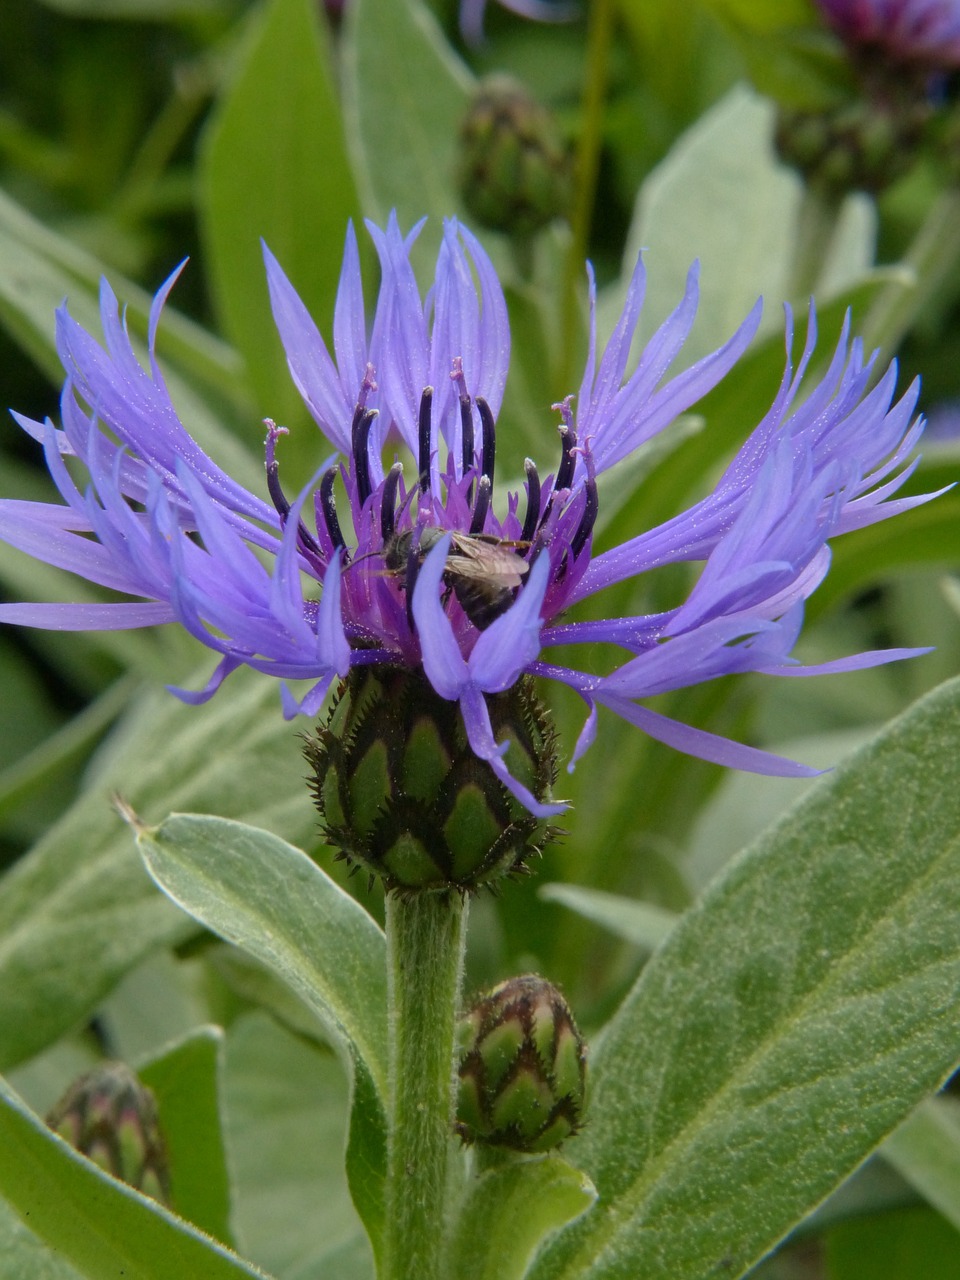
pixel 402 795
pixel 514 172
pixel 522 1068
pixel 864 145
pixel 111 1118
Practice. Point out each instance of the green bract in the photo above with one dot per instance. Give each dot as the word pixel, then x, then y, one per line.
pixel 401 793
pixel 522 1068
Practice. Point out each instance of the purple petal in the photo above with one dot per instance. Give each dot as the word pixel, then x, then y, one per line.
pixel 443 663
pixel 88 617
pixel 313 371
pixel 511 642
pixel 707 746
pixel 476 720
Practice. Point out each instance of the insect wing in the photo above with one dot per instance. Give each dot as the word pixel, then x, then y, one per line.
pixel 491 562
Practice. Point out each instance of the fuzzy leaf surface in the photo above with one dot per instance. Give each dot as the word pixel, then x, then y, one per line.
pixel 78 911
pixel 792 1019
pixel 508 1210
pixel 263 895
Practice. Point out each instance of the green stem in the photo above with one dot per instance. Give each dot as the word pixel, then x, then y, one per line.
pixel 425 937
pixel 929 260
pixel 589 146
pixel 817 220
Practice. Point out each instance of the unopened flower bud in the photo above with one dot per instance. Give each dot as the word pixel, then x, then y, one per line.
pixel 111 1118
pixel 522 1068
pixel 863 145
pixel 402 795
pixel 515 172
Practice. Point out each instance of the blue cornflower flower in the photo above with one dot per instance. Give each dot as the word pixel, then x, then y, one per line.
pixel 425 575
pixel 915 31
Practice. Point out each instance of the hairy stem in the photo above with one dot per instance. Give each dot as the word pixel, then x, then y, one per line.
pixel 425 936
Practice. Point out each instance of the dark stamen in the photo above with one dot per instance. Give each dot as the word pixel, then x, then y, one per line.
pixel 413 568
pixel 533 502
pixel 360 434
pixel 488 452
pixel 388 504
pixel 484 490
pixel 279 498
pixel 466 434
pixel 329 508
pixel 426 402
pixel 568 441
pixel 588 519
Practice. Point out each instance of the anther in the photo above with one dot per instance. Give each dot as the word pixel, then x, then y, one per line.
pixel 488 451
pixel 412 570
pixel 533 502
pixel 363 420
pixel 279 499
pixel 388 503
pixel 277 496
pixel 484 490
pixel 423 459
pixel 591 509
pixel 466 435
pixel 568 442
pixel 329 508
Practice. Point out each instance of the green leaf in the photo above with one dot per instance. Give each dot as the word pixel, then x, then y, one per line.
pixel 98 1224
pixel 186 1083
pixel 926 1151
pixel 928 536
pixel 275 166
pixel 763 15
pixel 258 892
pixel 642 923
pixel 25 1255
pixel 399 69
pixel 793 1017
pixel 725 161
pixel 913 1242
pixel 258 984
pixel 135 10
pixel 78 911
pixel 507 1212
pixel 39 268
pixel 286 1109
pixel 254 890
pixel 61 750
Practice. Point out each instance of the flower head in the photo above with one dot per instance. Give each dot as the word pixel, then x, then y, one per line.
pixel 418 569
pixel 918 31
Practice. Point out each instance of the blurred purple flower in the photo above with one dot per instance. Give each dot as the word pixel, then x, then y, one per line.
pixel 294 590
pixel 926 31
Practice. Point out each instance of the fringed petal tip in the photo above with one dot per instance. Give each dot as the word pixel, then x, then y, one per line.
pixel 196 697
pixel 310 703
pixel 476 721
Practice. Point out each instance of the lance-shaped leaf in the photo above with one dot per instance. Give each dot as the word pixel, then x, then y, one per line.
pixel 260 893
pixel 791 1020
